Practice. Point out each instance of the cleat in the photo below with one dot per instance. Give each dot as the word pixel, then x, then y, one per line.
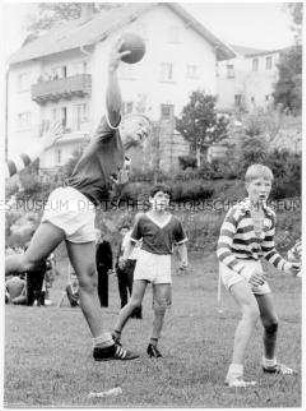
pixel 117 340
pixel 238 382
pixel 153 351
pixel 279 369
pixel 114 352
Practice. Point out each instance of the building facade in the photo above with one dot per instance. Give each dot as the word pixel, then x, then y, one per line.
pixel 246 82
pixel 63 76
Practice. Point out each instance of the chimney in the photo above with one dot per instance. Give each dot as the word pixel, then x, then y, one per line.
pixel 88 10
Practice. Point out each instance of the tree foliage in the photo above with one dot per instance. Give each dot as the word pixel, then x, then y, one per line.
pixel 50 14
pixel 288 88
pixel 200 123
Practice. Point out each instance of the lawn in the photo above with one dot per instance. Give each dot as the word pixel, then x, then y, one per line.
pixel 48 351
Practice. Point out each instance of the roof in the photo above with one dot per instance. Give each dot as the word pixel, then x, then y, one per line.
pixel 81 32
pixel 252 52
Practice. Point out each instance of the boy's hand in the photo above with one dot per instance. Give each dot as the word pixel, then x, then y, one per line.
pixel 292 268
pixel 121 263
pixel 253 276
pixel 116 55
pixel 183 265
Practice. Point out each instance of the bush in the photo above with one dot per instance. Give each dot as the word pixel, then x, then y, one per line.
pixel 287 170
pixel 253 149
pixel 187 162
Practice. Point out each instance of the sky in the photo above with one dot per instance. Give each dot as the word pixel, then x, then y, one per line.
pixel 255 24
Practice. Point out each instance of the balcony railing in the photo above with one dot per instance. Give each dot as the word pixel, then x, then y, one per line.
pixel 64 88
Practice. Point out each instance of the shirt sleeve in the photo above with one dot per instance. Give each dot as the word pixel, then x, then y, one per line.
pixel 179 234
pixel 268 247
pixel 137 232
pixel 225 242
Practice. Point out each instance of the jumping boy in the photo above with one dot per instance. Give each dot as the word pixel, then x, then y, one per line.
pixel 247 236
pixel 159 231
pixel 70 213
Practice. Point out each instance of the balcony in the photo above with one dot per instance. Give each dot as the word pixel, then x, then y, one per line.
pixel 64 88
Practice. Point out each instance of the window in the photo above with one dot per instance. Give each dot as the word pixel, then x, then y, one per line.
pixel 63 116
pixel 58 72
pixel 230 71
pixel 255 64
pixel 23 82
pixel 267 97
pixel 127 107
pixel 24 120
pixel 173 34
pixel 166 71
pixel 58 156
pixel 238 100
pixel 269 63
pixel 253 100
pixel 192 71
pixel 81 115
pixel 167 111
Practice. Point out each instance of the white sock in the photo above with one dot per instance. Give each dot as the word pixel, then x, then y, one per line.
pixel 104 340
pixel 235 370
pixel 268 363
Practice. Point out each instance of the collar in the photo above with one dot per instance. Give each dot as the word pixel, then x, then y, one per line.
pixel 245 207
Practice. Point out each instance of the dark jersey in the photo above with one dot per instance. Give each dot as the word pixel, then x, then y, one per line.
pixel 102 158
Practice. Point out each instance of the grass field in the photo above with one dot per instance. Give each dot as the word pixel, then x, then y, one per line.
pixel 48 351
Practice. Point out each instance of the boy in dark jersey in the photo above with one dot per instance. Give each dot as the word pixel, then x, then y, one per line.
pixel 70 213
pixel 159 231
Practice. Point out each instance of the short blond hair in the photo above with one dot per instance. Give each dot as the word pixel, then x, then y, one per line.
pixel 258 171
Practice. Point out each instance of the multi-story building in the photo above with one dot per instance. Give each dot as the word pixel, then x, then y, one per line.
pixel 62 76
pixel 247 81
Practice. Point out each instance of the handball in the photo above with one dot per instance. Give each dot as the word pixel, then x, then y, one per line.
pixel 136 45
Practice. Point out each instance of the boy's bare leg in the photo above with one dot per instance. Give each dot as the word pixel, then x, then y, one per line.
pixel 270 322
pixel 139 288
pixel 45 239
pixel 162 300
pixel 82 257
pixel 250 314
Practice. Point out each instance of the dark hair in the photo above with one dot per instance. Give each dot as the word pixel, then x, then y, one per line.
pixel 160 187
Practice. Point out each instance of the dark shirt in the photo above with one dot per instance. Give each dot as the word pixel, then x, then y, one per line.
pixel 158 239
pixel 102 158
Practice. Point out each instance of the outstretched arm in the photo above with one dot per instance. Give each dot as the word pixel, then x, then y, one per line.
pixel 19 162
pixel 113 93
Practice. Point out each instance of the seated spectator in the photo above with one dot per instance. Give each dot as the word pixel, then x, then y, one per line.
pixel 15 290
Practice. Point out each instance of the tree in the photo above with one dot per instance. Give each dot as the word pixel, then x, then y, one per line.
pixel 288 88
pixel 49 14
pixel 201 124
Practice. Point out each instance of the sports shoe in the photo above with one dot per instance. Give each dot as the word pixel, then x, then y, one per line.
pixel 238 382
pixel 114 352
pixel 153 351
pixel 116 339
pixel 279 369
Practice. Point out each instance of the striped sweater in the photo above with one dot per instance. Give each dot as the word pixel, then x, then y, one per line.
pixel 238 241
pixel 23 160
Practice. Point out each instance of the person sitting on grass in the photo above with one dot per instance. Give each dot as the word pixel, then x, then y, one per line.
pixel 69 214
pixel 159 230
pixel 246 237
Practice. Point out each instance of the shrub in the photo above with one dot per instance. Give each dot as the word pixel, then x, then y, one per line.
pixel 187 162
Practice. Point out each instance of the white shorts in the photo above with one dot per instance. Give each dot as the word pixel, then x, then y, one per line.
pixel 230 277
pixel 68 209
pixel 154 268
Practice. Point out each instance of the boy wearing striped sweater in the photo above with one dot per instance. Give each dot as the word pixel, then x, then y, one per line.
pixel 247 236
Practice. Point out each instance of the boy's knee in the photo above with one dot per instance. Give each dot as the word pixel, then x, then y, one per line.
pixel 271 327
pixel 135 302
pixel 160 305
pixel 252 313
pixel 89 279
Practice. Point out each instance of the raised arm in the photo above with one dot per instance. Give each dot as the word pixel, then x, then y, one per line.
pixel 113 93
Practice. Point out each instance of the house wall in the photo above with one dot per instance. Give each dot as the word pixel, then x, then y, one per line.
pixel 256 87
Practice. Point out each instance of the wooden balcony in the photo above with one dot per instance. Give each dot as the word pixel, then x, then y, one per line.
pixel 64 88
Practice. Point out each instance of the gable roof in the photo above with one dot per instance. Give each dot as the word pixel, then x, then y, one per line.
pixel 78 33
pixel 251 52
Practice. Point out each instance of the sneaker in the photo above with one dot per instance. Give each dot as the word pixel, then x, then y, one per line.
pixel 279 369
pixel 238 382
pixel 114 352
pixel 153 351
pixel 116 339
